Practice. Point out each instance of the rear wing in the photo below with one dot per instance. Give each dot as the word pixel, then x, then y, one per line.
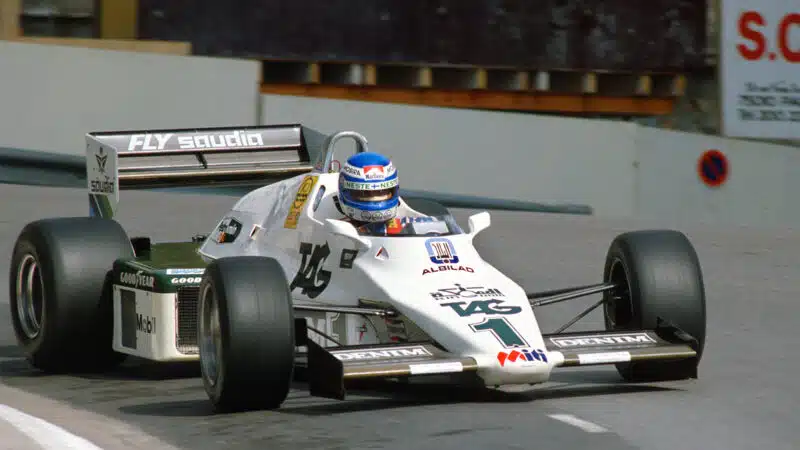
pixel 205 157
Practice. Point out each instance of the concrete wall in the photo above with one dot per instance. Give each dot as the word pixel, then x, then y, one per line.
pixel 621 169
pixel 50 96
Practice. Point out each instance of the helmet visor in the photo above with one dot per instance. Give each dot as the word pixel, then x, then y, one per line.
pixel 372 196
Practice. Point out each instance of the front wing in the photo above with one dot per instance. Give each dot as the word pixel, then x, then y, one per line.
pixel 330 368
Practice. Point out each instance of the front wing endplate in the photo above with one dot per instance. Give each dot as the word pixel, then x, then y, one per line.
pixel 329 368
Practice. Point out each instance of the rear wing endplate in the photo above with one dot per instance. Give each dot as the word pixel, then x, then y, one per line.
pixel 195 157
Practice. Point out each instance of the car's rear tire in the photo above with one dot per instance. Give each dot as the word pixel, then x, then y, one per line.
pixel 60 292
pixel 659 277
pixel 246 333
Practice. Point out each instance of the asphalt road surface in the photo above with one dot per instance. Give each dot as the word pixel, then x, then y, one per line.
pixel 746 397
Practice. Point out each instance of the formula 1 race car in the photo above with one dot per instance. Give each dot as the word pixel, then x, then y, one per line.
pixel 280 282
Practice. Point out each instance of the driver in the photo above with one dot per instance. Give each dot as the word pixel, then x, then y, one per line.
pixel 369 194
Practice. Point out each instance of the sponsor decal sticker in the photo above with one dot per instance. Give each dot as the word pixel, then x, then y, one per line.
pixel 101 158
pixel 502 330
pixel 310 277
pixel 185 280
pixel 441 251
pixel 227 231
pixel 101 183
pixel 374 216
pixel 102 187
pixel 375 186
pixel 488 307
pixel 219 140
pixel 521 355
pixel 295 209
pixel 604 358
pixel 350 170
pixel 137 280
pixel 448 268
pixel 145 324
pixel 347 258
pixel 318 198
pixel 460 291
pixel 373 172
pixel 440 367
pixel 185 271
pixel 601 340
pixel 378 354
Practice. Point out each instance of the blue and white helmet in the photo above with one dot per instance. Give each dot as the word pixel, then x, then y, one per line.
pixel 368 188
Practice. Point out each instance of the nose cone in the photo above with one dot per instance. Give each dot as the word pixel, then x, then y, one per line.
pixel 464 304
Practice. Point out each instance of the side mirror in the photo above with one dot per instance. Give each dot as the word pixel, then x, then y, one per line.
pixel 479 222
pixel 347 230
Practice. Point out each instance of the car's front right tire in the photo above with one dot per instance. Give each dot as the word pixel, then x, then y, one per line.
pixel 246 333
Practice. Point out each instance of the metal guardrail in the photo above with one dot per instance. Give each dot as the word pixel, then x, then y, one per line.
pixel 37 168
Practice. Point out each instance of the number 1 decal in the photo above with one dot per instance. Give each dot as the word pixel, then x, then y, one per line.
pixel 503 332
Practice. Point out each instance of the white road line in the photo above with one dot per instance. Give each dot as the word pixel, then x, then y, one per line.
pixel 47 435
pixel 584 425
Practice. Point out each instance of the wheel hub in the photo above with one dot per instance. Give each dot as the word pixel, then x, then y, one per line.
pixel 30 296
pixel 210 341
pixel 619 307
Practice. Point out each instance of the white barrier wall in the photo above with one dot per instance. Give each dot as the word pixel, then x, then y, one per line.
pixel 50 96
pixel 494 154
pixel 620 169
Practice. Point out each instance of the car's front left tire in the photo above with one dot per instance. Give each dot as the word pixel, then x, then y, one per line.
pixel 246 333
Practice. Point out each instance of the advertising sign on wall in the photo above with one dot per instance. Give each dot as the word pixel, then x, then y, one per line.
pixel 760 68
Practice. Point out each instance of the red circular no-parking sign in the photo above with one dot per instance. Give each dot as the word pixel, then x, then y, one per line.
pixel 713 168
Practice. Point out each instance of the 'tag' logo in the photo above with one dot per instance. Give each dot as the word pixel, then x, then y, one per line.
pixel 534 354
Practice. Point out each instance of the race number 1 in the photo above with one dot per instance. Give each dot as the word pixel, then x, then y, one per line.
pixel 503 332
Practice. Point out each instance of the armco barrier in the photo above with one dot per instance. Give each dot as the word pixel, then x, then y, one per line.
pixel 18 166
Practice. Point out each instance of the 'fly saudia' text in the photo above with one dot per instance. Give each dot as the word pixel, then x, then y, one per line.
pixel 161 141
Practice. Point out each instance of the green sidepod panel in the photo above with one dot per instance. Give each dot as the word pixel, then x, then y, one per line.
pixel 163 269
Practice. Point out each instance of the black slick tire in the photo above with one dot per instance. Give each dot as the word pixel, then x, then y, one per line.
pixel 252 362
pixel 659 278
pixel 60 292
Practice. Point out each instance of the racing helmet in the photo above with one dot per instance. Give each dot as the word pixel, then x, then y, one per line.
pixel 368 188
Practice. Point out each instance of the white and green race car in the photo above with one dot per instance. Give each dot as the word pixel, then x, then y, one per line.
pixel 280 282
